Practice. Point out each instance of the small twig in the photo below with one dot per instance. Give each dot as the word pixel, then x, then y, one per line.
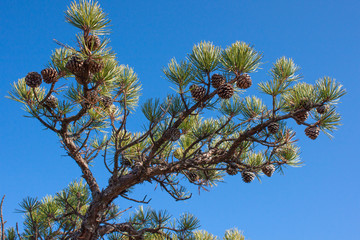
pixel 17 231
pixel 63 45
pixel 105 152
pixel 134 200
pixel 84 143
pixel 2 219
pixel 119 213
pixel 174 194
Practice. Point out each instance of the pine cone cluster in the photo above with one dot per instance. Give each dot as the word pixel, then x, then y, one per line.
pixel 51 101
pixel 247 176
pixel 273 127
pixel 79 68
pixel 49 75
pixel 268 170
pixel 172 134
pixel 226 91
pixel 244 81
pixel 33 79
pixel 217 80
pixel 312 132
pixel 197 92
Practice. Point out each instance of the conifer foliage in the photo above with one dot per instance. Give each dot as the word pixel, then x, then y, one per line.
pixel 180 144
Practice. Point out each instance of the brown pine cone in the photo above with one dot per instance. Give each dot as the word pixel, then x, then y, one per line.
pixel 95 66
pixel 75 65
pixel 268 170
pixel 322 109
pixel 305 104
pixel 247 176
pixel 172 134
pixel 226 91
pixel 51 101
pixel 106 101
pixel 273 127
pixel 301 116
pixel 231 170
pixel 33 79
pixel 244 81
pixel 312 132
pixel 93 42
pixel 197 92
pixel 92 97
pixel 217 80
pixel 49 75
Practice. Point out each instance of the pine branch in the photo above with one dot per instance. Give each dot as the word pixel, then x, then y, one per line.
pixel 88 16
pixel 87 174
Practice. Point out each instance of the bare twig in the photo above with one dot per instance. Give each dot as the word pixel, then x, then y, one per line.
pixel 2 219
pixel 118 214
pixel 137 201
pixel 17 231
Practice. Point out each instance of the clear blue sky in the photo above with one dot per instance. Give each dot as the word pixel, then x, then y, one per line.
pixel 321 200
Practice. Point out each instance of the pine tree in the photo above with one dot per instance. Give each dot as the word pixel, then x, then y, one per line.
pixel 180 144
